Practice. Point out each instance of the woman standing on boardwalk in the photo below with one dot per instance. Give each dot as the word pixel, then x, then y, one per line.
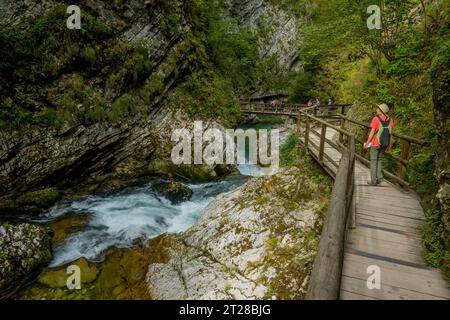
pixel 379 141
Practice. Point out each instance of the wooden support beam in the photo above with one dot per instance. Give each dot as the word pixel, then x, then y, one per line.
pixel 343 128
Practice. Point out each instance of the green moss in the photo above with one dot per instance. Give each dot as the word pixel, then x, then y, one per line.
pixel 263 200
pixel 122 107
pixel 288 151
pixel 41 198
pixel 196 173
pixel 7 205
pixel 89 55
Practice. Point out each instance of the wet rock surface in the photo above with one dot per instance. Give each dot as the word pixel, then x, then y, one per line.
pixel 121 275
pixel 174 191
pixel 67 225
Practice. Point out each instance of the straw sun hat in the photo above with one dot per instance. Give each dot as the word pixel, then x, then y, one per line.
pixel 384 108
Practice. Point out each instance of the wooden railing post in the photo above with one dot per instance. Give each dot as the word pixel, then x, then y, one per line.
pixel 343 126
pixel 323 135
pixel 325 279
pixel 307 127
pixel 351 182
pixel 299 124
pixel 405 156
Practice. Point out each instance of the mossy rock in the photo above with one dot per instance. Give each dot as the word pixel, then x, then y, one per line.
pixel 57 277
pixel 192 173
pixel 121 275
pixel 32 202
pixel 40 198
pixel 174 191
pixel 7 205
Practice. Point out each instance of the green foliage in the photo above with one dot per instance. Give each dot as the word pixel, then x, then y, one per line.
pixel 263 200
pixel 138 66
pixel 233 47
pixel 32 53
pixel 79 102
pixel 122 107
pixel 381 44
pixel 437 255
pixel 207 95
pixel 89 55
pixel 301 87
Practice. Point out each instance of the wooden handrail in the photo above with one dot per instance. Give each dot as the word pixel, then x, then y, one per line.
pixel 323 122
pixel 400 177
pixel 325 280
pixel 326 275
pixel 310 115
pixel 395 134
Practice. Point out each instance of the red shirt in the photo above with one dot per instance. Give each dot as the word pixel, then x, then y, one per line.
pixel 375 124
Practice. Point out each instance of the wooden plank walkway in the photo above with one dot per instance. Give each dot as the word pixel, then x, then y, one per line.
pixel 387 235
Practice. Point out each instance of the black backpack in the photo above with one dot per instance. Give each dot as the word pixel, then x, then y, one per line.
pixel 384 133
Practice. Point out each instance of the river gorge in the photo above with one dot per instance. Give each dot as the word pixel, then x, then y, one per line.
pixel 223 229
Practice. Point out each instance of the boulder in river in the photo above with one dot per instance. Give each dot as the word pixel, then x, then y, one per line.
pixel 67 225
pixel 174 191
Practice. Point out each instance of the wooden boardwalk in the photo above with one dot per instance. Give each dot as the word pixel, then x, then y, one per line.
pixel 387 235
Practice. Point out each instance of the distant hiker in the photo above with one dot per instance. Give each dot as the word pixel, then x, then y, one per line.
pixel 273 104
pixel 329 107
pixel 379 141
pixel 317 103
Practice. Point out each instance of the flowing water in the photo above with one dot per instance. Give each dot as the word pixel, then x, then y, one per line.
pixel 250 169
pixel 120 219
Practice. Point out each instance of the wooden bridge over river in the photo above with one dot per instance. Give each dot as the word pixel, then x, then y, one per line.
pixel 367 228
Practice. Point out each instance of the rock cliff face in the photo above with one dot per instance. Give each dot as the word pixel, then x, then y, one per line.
pixel 39 156
pixel 255 242
pixel 278 29
pixel 43 156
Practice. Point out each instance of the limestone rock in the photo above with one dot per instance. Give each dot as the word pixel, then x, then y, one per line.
pixel 24 248
pixel 257 241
